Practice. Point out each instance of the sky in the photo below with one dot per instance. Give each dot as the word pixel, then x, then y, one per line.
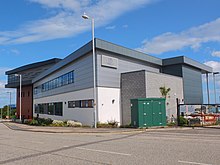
pixel 37 30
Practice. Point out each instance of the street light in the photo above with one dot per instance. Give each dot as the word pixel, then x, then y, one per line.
pixel 9 104
pixel 207 83
pixel 214 73
pixel 84 16
pixel 20 94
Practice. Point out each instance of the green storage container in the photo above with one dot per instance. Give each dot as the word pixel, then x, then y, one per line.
pixel 148 112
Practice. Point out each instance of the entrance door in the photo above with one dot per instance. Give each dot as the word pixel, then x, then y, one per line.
pixel 147 113
pixel 157 113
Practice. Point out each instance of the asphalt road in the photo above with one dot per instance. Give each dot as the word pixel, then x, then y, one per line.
pixel 154 147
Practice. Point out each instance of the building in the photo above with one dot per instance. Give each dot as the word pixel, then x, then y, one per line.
pixel 27 72
pixel 65 90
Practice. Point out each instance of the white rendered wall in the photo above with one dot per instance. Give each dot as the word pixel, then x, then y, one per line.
pixel 84 115
pixel 108 104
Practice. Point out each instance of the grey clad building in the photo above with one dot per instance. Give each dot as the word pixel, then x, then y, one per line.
pixel 65 90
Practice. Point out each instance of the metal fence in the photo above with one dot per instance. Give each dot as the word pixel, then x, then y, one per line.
pixel 198 114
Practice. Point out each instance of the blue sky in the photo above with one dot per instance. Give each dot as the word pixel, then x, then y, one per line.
pixel 36 30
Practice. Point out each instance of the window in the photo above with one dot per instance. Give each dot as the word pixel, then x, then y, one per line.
pixel 41 109
pixel 50 109
pixel 59 81
pixel 45 106
pixel 70 77
pixel 84 104
pixel 90 103
pixel 71 104
pixel 65 79
pixel 46 86
pixel 43 87
pixel 36 108
pixel 59 109
pixel 80 104
pixel 62 80
pixel 77 103
pixel 53 84
pixel 49 85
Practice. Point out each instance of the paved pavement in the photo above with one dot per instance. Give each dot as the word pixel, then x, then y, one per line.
pixel 154 147
pixel 24 127
pixel 47 129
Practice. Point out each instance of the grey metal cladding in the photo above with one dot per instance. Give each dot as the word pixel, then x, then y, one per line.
pixel 17 84
pixel 83 77
pixel 192 86
pixel 204 68
pixel 104 45
pixel 28 74
pixel 33 65
pixel 110 77
pixel 173 61
pixel 175 70
pixel 187 61
pixel 73 56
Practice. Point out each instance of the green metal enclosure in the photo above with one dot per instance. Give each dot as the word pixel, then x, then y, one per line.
pixel 148 112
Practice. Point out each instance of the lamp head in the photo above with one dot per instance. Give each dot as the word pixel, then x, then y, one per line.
pixel 85 16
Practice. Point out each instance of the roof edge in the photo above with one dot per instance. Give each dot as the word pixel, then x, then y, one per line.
pixel 71 57
pixel 33 65
pixel 188 61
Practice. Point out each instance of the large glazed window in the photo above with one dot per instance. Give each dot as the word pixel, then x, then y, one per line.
pixel 60 81
pixel 49 108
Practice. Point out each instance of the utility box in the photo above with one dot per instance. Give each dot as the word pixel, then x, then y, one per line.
pixel 148 112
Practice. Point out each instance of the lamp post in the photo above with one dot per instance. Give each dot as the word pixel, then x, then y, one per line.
pixel 20 94
pixel 207 83
pixel 84 16
pixel 9 111
pixel 215 73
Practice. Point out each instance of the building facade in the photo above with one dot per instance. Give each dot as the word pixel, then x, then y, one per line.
pixel 65 90
pixel 27 72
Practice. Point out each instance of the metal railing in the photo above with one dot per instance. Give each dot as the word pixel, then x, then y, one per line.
pixel 198 114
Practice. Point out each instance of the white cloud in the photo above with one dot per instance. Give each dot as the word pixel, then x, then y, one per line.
pixel 192 38
pixel 15 51
pixel 110 27
pixel 7 51
pixel 71 5
pixel 68 21
pixel 216 53
pixel 214 64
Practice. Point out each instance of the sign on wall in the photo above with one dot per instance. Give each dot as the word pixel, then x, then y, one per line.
pixel 109 62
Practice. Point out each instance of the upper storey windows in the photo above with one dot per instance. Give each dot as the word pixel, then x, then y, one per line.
pixel 62 80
